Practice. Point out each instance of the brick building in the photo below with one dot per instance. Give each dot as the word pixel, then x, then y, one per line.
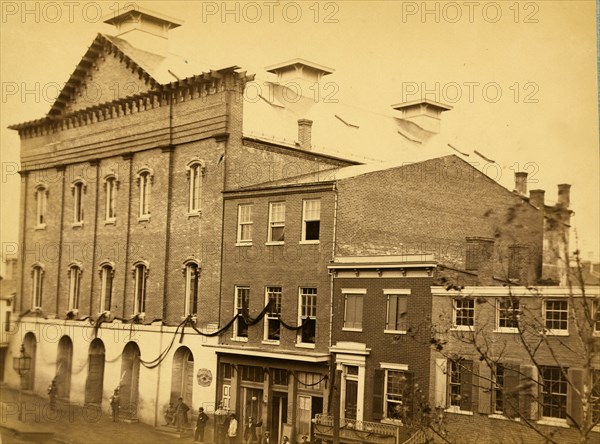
pixel 182 204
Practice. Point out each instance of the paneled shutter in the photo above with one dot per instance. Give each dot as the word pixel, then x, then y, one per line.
pixel 441 382
pixel 529 392
pixel 512 379
pixel 485 388
pixel 574 396
pixel 378 395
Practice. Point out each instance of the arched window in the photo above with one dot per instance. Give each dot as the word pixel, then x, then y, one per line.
pixel 195 171
pixel 107 272
pixel 192 287
pixel 37 285
pixel 41 194
pixel 78 188
pixel 145 177
pixel 74 286
pixel 140 274
pixel 110 187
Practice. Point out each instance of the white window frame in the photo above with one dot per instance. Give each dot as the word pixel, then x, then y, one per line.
pixel 554 420
pixel 190 268
pixel 402 368
pixel 195 171
pixel 140 294
pixel 280 223
pixel 356 292
pixel 107 272
pixel 455 309
pixel 41 206
pixel 74 273
pixel 500 310
pixel 237 308
pixel 37 286
pixel 111 185
pixel 306 218
pixel 301 313
pixel 556 331
pixel 245 221
pixel 400 293
pixel 269 315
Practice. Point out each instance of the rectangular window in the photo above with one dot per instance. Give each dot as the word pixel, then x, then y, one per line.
pixel 144 181
pixel 499 390
pixel 277 222
pixel 311 219
pixel 37 286
pixel 556 315
pixel 272 323
pixel 242 300
pixel 554 392
pixel 40 196
pixel 397 394
pixel 353 309
pixel 397 308
pixel 78 203
pixel 308 315
pixel 74 281
pixel 106 277
pixel 195 175
pixel 192 278
pixel 464 312
pixel 460 374
pixel 111 199
pixel 244 232
pixel 140 290
pixel 508 313
pixel 304 415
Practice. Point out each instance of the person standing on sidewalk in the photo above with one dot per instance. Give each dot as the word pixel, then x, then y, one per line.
pixel 181 410
pixel 232 429
pixel 52 390
pixel 114 405
pixel 200 425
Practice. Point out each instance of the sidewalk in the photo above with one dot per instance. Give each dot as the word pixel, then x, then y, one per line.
pixel 72 424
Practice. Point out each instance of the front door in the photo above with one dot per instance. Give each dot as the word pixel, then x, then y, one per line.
pixel 351 401
pixel 279 415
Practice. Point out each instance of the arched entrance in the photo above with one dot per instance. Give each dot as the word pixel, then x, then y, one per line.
pixel 95 377
pixel 64 361
pixel 130 373
pixel 30 344
pixel 182 376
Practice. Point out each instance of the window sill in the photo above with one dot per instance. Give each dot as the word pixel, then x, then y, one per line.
pixel 458 411
pixel 239 339
pixel 502 417
pixel 243 244
pixel 555 422
pixel 309 242
pixel 351 329
pixel 506 330
pixel 305 345
pixel 40 227
pixel 110 222
pixel 77 225
pixel 462 328
pixel 143 218
pixel 395 332
pixel 274 243
pixel 193 214
pixel 556 332
pixel 270 342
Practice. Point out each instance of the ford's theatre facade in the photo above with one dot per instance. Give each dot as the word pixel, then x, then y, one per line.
pixel 189 237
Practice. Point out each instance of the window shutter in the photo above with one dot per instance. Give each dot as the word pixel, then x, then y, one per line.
pixel 529 392
pixel 574 396
pixel 441 382
pixel 485 388
pixel 378 388
pixel 409 394
pixel 466 385
pixel 512 379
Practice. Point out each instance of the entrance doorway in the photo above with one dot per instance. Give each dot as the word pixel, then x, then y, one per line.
pixel 94 383
pixel 351 399
pixel 30 344
pixel 278 415
pixel 182 376
pixel 130 373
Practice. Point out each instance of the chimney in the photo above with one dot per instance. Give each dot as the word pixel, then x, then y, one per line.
pixel 564 195
pixel 536 198
pixel 423 112
pixel 521 182
pixel 144 29
pixel 305 133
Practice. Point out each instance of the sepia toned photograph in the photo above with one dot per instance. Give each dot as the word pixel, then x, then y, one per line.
pixel 290 222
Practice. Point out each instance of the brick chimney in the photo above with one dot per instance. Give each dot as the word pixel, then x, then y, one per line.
pixel 564 195
pixel 536 198
pixel 305 133
pixel 521 182
pixel 423 112
pixel 144 29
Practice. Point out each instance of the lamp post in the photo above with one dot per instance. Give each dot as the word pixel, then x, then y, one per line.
pixel 22 365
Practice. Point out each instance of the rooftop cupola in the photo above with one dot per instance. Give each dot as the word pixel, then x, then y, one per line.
pixel 299 70
pixel 144 29
pixel 425 113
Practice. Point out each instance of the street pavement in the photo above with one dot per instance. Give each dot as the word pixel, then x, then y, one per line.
pixel 72 424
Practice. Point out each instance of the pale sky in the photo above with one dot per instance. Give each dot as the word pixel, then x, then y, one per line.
pixel 522 77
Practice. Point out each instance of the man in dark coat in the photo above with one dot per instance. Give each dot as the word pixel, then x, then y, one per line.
pixel 200 424
pixel 181 410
